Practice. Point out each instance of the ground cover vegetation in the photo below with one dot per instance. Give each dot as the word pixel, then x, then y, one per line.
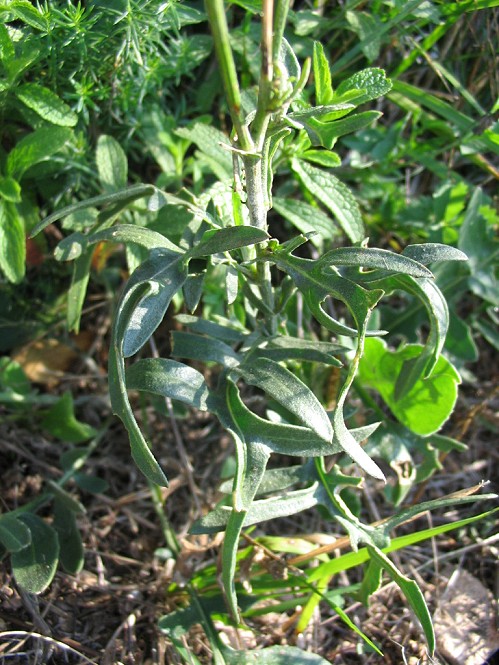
pixel 263 235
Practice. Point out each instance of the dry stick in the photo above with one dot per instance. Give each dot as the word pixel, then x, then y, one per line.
pixel 179 441
pixel 22 634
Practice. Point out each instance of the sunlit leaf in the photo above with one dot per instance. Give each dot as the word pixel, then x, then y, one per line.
pixel 428 404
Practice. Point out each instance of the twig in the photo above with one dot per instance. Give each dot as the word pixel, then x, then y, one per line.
pixel 22 634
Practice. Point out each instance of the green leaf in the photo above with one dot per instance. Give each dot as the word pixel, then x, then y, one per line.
pixel 226 330
pixel 169 379
pixel 112 165
pixel 216 241
pixel 35 147
pixel 12 243
pixel 126 233
pixel 277 655
pixel 368 28
pixel 477 240
pixel 117 387
pixel 333 194
pixel 322 76
pixel 31 15
pixel 195 347
pixel 436 307
pixel 34 566
pixel 368 84
pixel 281 505
pixel 71 553
pixel 289 391
pixel 293 348
pixel 291 440
pixel 46 104
pixel 371 257
pixel 325 133
pixel 326 158
pixel 210 141
pixel 165 273
pixel 115 202
pixel 60 421
pixel 317 284
pixel 10 189
pixel 411 591
pixel 428 404
pixel 14 534
pixel 307 218
pixel 433 252
pixel 89 483
pixel 78 289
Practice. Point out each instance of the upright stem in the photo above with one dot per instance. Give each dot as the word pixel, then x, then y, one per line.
pixel 220 30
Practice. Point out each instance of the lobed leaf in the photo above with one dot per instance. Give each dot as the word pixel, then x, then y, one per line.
pixel 169 378
pixel 411 591
pixel 371 257
pixel 289 391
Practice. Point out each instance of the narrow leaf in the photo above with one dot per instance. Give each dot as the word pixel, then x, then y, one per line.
pixel 12 243
pixel 411 591
pixel 363 257
pixel 216 241
pixel 169 379
pixel 433 252
pixel 121 198
pixel 196 347
pixel 71 546
pixel 164 273
pixel 322 76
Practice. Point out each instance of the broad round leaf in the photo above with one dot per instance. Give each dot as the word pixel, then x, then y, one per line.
pixel 430 401
pixel 34 566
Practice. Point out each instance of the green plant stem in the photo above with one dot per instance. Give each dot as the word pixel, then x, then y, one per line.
pixel 218 24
